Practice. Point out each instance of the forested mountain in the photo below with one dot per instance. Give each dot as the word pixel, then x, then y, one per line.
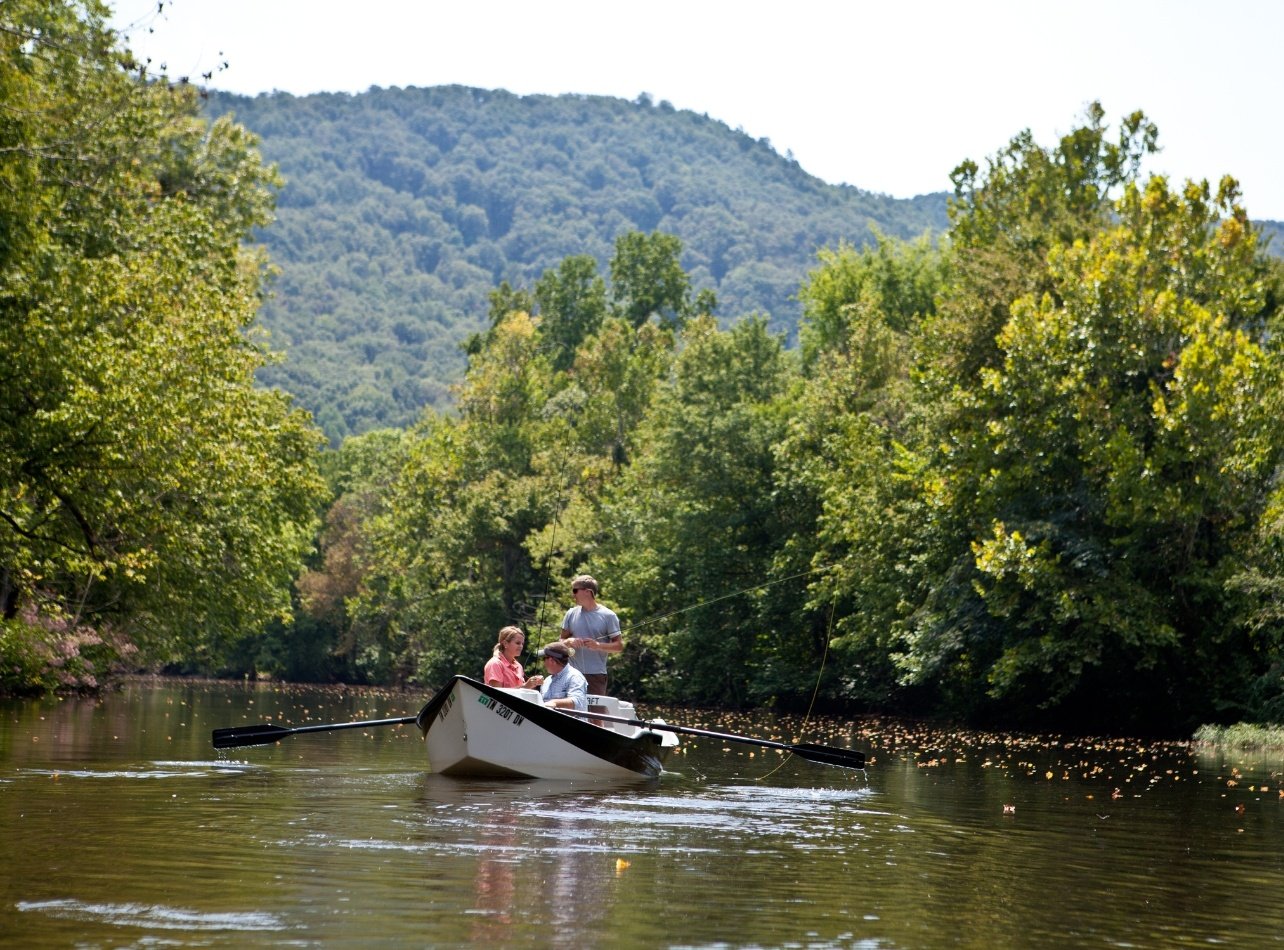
pixel 403 208
pixel 1273 231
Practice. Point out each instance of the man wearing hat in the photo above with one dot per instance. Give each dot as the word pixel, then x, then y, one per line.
pixel 564 686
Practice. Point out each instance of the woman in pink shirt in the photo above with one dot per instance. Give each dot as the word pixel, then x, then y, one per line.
pixel 502 669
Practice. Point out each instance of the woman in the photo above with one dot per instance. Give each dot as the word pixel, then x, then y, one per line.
pixel 502 669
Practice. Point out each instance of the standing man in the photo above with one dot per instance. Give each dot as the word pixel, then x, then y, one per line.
pixel 593 630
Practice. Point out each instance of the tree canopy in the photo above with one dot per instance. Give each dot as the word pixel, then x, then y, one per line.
pixel 147 487
pixel 1028 473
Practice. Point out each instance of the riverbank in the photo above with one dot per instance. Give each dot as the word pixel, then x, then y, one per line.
pixel 1242 735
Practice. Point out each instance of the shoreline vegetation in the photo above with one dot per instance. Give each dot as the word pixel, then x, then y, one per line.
pixel 1242 735
pixel 1022 474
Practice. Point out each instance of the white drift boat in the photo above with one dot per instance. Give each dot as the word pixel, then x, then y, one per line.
pixel 471 729
pixel 474 730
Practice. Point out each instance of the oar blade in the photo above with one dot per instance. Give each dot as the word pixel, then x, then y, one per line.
pixel 828 755
pixel 237 736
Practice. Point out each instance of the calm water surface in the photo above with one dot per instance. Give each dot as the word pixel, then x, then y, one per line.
pixel 120 826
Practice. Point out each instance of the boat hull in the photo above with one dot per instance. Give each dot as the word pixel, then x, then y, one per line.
pixel 474 730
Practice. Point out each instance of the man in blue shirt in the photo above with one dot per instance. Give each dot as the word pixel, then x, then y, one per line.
pixel 594 631
pixel 564 686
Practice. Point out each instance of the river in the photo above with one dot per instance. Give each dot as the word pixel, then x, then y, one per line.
pixel 121 826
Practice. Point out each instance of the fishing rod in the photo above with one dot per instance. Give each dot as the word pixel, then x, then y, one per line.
pixel 707 603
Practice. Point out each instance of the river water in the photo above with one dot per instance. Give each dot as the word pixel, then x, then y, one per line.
pixel 121 826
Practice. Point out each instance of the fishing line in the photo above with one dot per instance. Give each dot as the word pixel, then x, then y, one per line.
pixel 548 575
pixel 829 629
pixel 552 546
pixel 706 603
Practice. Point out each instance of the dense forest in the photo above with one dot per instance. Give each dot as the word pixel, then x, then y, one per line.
pixel 402 208
pixel 153 500
pixel 1026 472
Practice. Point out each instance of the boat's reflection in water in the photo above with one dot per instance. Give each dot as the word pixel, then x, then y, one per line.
pixel 546 852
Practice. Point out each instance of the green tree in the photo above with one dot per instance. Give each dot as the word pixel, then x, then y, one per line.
pixel 449 563
pixel 1101 467
pixel 325 643
pixel 618 373
pixel 572 305
pixel 146 485
pixel 1005 220
pixel 839 477
pixel 504 300
pixel 897 279
pixel 693 518
pixel 1070 516
pixel 647 279
pixel 1133 442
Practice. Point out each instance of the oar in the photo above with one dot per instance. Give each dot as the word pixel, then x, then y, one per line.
pixel 826 754
pixel 264 734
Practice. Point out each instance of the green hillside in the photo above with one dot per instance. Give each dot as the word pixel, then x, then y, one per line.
pixel 403 208
pixel 1273 231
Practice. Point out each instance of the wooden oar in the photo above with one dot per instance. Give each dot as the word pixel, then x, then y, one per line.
pixel 264 734
pixel 826 754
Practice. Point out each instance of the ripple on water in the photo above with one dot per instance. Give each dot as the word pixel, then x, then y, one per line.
pixel 152 916
pixel 736 809
pixel 150 770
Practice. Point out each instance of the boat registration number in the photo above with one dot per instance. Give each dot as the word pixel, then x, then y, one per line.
pixel 445 707
pixel 501 710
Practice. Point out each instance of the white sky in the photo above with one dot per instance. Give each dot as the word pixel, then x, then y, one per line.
pixel 888 96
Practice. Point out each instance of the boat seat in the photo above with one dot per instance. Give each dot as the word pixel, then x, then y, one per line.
pixel 604 704
pixel 521 692
pixel 599 708
pixel 610 706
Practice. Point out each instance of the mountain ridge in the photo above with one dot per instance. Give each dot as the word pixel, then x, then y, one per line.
pixel 403 207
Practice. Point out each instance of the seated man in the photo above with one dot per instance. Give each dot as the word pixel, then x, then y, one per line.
pixel 564 687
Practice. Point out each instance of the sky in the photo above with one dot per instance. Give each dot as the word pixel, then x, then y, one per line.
pixel 887 96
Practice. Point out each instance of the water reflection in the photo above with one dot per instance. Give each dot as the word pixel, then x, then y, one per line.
pixel 120 826
pixel 496 884
pixel 541 864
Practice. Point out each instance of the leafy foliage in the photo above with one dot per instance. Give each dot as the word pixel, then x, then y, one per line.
pixel 695 514
pixel 402 208
pixel 1029 472
pixel 146 484
pixel 1097 452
